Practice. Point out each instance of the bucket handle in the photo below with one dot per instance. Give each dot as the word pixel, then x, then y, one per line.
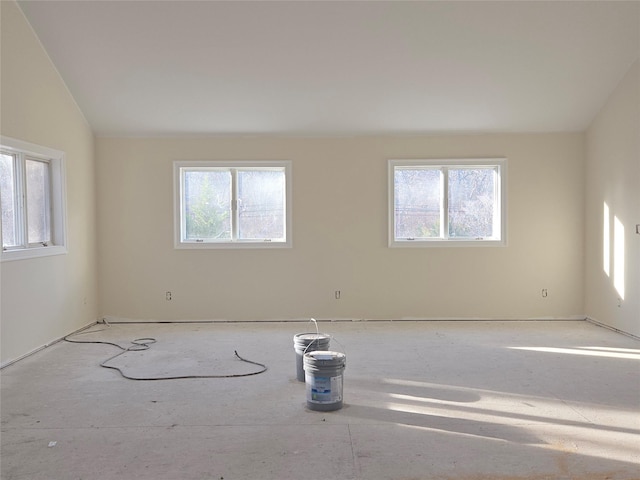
pixel 315 322
pixel 317 335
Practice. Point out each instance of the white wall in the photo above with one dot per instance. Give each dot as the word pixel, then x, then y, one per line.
pixel 340 235
pixel 613 176
pixel 43 299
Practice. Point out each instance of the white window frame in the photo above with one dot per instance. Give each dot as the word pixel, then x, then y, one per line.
pixel 179 166
pixel 445 241
pixel 57 200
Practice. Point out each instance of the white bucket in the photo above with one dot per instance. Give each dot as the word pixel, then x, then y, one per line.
pixel 324 379
pixel 308 342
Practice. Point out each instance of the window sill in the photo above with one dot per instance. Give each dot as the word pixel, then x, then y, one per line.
pixel 215 246
pixel 445 243
pixel 36 252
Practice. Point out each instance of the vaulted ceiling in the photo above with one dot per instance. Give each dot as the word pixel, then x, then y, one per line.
pixel 140 68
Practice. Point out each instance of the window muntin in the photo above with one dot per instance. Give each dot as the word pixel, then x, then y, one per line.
pixel 32 200
pixel 447 202
pixel 233 204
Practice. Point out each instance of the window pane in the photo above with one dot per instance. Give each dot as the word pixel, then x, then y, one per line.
pixel 38 201
pixel 261 204
pixel 207 205
pixel 472 202
pixel 8 200
pixel 418 199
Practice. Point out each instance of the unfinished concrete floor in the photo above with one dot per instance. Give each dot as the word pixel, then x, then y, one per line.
pixel 423 400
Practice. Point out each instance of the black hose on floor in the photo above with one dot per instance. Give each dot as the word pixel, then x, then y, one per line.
pixel 140 344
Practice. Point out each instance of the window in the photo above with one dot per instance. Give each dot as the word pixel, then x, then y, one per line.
pixel 232 204
pixel 447 202
pixel 32 198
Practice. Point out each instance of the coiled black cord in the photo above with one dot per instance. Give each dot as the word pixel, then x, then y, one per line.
pixel 140 344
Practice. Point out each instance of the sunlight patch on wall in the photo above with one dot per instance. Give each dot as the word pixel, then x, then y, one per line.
pixel 618 256
pixel 606 241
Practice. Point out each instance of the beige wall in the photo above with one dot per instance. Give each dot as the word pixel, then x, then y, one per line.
pixel 340 235
pixel 340 224
pixel 613 176
pixel 45 298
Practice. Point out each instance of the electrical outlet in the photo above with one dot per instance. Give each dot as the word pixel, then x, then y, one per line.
pixel 167 296
pixel 545 293
pixel 337 294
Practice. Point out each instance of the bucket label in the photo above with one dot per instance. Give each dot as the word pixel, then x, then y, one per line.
pixel 324 389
